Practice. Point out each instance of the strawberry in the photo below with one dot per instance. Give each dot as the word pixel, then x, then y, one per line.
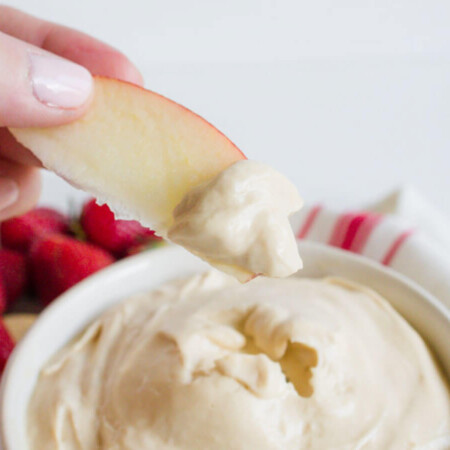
pixel 6 346
pixel 116 236
pixel 58 262
pixel 3 298
pixel 13 273
pixel 20 232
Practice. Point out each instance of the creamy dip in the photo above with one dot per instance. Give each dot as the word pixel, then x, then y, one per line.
pixel 239 222
pixel 208 363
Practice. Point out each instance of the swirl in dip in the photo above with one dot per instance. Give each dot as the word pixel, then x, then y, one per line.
pixel 208 363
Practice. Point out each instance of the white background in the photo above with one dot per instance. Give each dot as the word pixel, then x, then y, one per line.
pixel 349 98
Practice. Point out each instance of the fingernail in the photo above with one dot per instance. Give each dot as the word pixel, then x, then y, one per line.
pixel 9 192
pixel 58 82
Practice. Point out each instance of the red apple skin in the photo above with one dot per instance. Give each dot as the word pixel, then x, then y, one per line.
pixel 100 77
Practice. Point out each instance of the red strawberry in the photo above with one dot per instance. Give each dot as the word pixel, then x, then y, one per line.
pixel 3 298
pixel 58 262
pixel 20 232
pixel 116 236
pixel 13 273
pixel 6 346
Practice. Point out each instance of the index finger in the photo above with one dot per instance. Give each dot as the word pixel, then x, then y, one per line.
pixel 98 57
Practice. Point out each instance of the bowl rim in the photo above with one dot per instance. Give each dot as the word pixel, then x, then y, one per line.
pixel 9 378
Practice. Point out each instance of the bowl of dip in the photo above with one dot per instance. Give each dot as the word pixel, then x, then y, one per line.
pixel 79 307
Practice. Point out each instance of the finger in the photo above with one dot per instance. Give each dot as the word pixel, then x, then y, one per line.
pixel 20 187
pixel 11 149
pixel 99 58
pixel 38 88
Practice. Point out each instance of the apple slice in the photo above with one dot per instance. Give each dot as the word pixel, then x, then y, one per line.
pixel 135 150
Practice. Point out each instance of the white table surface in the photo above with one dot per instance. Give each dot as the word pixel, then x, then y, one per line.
pixel 350 99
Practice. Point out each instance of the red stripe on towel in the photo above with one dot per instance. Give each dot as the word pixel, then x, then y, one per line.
pixel 308 223
pixel 365 230
pixel 395 247
pixel 351 231
pixel 340 229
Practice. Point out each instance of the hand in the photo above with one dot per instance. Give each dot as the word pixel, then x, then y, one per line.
pixel 45 80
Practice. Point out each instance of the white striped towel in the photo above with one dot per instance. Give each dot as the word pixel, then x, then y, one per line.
pixel 402 231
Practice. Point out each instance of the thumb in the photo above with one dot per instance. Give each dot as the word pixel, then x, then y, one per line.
pixel 38 88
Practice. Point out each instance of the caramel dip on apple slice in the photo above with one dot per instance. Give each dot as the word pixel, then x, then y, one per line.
pixel 239 222
pixel 153 160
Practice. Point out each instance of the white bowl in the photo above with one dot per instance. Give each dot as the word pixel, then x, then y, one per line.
pixel 74 310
